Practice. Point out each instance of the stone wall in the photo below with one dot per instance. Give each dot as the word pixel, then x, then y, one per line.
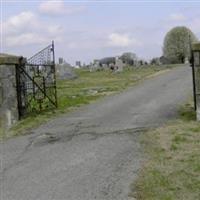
pixel 8 92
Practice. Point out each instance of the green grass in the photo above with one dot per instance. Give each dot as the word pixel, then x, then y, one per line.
pixel 88 87
pixel 172 171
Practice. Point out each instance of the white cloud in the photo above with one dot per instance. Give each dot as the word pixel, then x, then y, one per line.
pixel 55 29
pixel 27 28
pixel 25 39
pixel 20 22
pixel 58 8
pixel 52 7
pixel 177 17
pixel 122 40
pixel 74 9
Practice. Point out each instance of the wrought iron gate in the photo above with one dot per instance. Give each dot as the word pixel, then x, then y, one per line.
pixel 36 82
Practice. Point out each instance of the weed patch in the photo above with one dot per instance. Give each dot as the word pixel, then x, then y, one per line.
pixel 173 167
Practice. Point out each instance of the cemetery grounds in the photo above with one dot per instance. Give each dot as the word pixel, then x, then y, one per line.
pixel 87 88
pixel 172 167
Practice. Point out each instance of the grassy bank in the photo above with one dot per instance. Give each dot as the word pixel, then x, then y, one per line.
pixel 172 171
pixel 88 87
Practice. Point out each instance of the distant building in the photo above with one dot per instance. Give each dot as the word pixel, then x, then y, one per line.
pixel 78 64
pixel 113 63
pixel 60 60
pixel 107 61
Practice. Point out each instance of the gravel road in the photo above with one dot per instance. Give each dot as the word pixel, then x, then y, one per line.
pixel 94 152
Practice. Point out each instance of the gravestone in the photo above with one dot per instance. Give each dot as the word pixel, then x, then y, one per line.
pixel 119 65
pixel 60 60
pixel 78 64
pixel 95 66
pixel 65 72
pixel 186 61
pixel 196 56
pixel 105 66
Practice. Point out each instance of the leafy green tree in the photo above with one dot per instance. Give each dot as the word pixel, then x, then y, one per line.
pixel 128 58
pixel 177 44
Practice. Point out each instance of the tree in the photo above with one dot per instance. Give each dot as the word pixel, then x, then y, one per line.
pixel 128 58
pixel 107 60
pixel 177 44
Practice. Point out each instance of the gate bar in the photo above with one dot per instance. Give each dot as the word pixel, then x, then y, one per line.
pixel 54 67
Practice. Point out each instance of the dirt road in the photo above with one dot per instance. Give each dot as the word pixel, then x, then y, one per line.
pixel 94 152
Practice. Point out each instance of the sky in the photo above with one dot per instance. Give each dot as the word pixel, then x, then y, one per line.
pixel 86 29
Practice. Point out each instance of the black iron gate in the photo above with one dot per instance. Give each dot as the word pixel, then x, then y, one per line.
pixel 36 82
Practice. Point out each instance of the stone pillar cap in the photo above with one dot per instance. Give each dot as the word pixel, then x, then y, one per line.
pixel 196 46
pixel 10 59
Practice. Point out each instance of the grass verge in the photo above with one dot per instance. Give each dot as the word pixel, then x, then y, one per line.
pixel 172 171
pixel 88 87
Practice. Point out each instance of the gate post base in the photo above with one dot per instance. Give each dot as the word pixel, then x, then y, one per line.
pixel 8 94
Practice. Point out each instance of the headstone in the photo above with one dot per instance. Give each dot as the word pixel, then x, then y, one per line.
pixel 66 72
pixel 60 61
pixel 78 64
pixel 119 65
pixel 186 60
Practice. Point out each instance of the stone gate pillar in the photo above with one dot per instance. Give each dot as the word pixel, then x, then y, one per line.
pixel 8 92
pixel 196 57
